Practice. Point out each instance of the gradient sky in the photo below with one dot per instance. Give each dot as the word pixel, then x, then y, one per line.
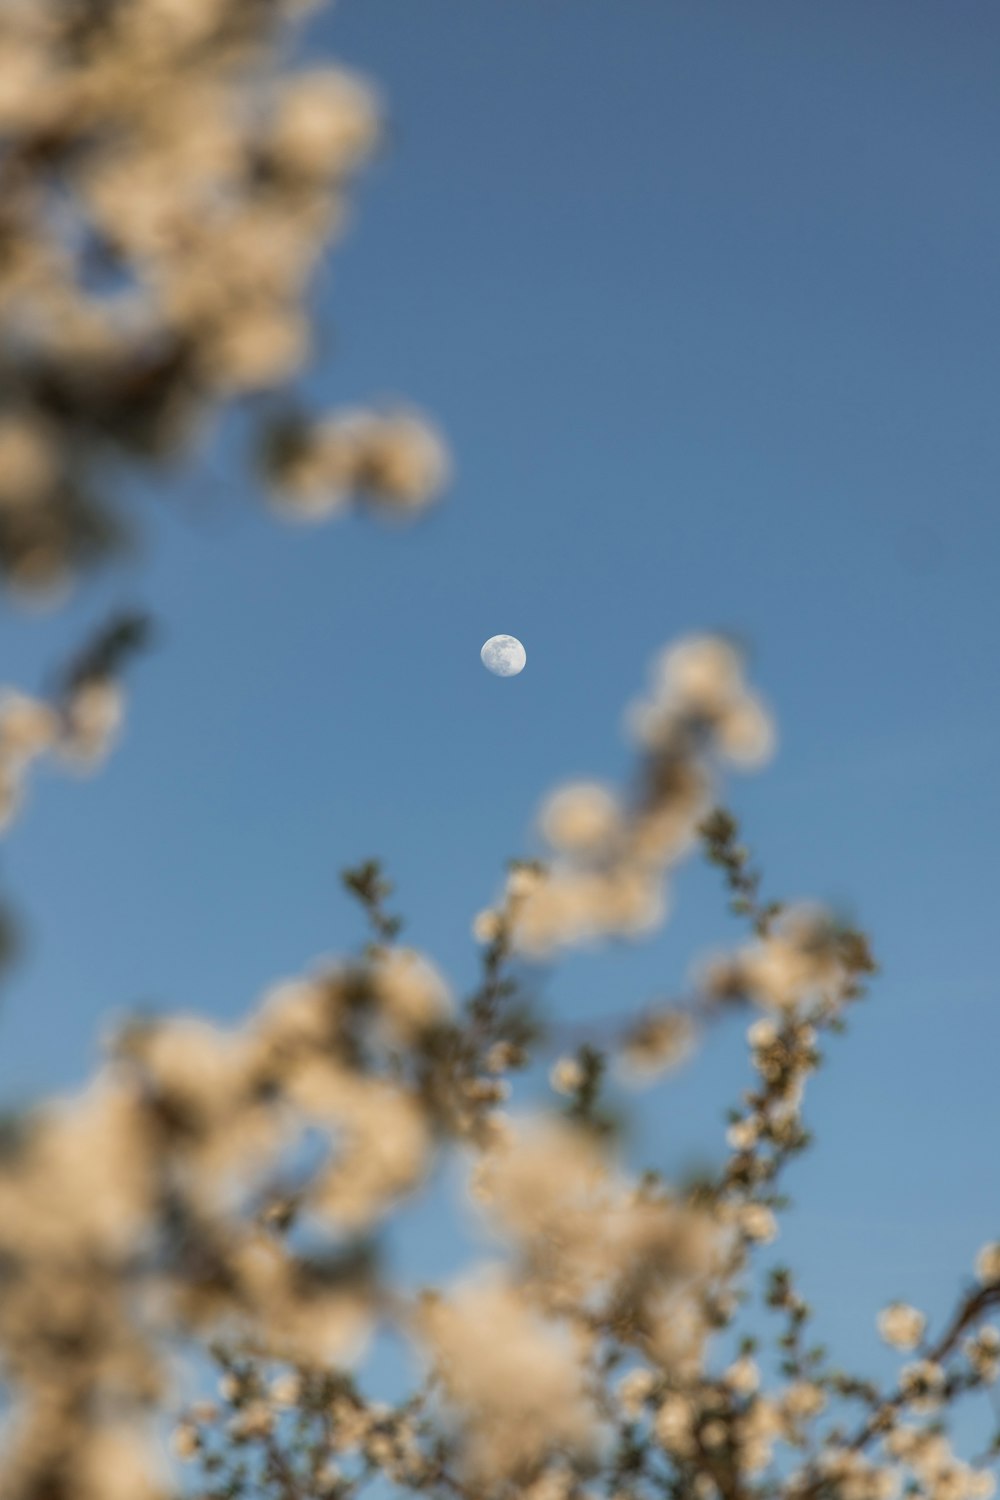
pixel 705 297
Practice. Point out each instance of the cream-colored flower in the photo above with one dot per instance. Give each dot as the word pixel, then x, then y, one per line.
pixel 512 1376
pixel 803 1399
pixel 661 1041
pixel 184 1441
pixel 487 926
pixel 796 962
pixel 255 1420
pixel 704 671
pixel 758 1222
pixel 326 122
pixel 566 1075
pixel 746 733
pixel 922 1383
pixel 634 1391
pixel 743 1135
pixel 400 459
pixel 28 727
pixel 500 1057
pixel 762 1033
pixel 386 1144
pixel 411 992
pixel 988 1263
pixel 983 1351
pixel 311 472
pixel 93 721
pixel 581 819
pixel 742 1376
pixel 286 1389
pixel 555 1483
pixel 27 461
pixel 901 1326
pixel 674 1425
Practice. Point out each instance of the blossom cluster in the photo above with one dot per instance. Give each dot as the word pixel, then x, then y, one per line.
pixel 78 725
pixel 223 1188
pixel 609 855
pixel 168 186
pixel 156 1205
pixel 395 459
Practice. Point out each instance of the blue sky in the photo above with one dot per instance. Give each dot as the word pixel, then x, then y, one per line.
pixel 705 297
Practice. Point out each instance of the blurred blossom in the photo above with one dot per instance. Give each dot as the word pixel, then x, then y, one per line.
pixel 799 967
pixel 566 1075
pixel 28 727
pixel 661 1041
pixel 699 695
pixel 263 348
pixel 588 1232
pixel 758 1223
pixel 608 874
pixel 743 1135
pixel 115 1464
pixel 28 468
pixel 401 459
pixel 901 1326
pixel 256 1419
pixel 384 1155
pixel 703 672
pixel 983 1351
pixel 762 1034
pixel 742 1376
pixel 555 1483
pixel 396 460
pixel 79 731
pixel 310 470
pixel 802 1400
pixel 81 1182
pixel 501 1056
pixel 325 123
pixel 547 1175
pixel 922 1383
pixel 856 1477
pixel 674 1425
pixel 523 881
pixel 512 1377
pixel 570 906
pixel 928 1455
pixel 487 926
pixel 988 1263
pixel 184 1440
pixel 411 992
pixel 634 1390
pixel 93 720
pixel 581 819
pixel 746 734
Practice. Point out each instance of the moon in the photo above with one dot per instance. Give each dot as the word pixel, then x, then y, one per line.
pixel 503 655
